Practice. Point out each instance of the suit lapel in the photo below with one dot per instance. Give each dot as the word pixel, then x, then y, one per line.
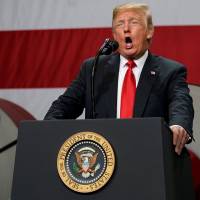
pixel 148 76
pixel 111 70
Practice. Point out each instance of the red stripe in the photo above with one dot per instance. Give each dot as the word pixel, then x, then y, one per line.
pixel 52 58
pixel 180 43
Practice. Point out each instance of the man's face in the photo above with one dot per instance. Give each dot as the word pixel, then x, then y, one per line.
pixel 131 32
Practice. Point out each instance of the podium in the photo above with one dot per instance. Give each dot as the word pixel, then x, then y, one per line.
pixel 146 165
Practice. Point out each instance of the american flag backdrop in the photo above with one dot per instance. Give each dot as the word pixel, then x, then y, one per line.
pixel 44 42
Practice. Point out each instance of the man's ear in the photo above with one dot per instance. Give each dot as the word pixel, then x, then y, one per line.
pixel 150 33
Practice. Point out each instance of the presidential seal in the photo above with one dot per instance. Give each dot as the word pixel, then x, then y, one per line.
pixel 85 162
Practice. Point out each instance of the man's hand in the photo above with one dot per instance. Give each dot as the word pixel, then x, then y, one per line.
pixel 180 137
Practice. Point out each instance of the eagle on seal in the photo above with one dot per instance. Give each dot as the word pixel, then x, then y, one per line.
pixel 86 162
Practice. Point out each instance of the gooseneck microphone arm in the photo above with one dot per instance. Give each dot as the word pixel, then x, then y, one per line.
pixel 107 48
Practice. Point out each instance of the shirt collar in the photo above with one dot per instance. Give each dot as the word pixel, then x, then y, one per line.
pixel 139 62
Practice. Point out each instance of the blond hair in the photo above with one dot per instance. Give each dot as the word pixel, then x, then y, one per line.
pixel 138 7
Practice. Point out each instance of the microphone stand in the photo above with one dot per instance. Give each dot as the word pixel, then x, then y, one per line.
pixel 92 85
pixel 107 48
pixel 96 59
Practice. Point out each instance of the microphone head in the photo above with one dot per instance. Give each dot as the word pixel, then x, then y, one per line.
pixel 109 47
pixel 115 45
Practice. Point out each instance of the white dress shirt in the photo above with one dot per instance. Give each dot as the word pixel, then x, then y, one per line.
pixel 122 71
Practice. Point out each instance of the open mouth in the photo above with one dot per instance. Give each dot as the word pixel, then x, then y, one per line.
pixel 129 43
pixel 128 40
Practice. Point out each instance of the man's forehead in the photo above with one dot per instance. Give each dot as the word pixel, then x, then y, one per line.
pixel 129 14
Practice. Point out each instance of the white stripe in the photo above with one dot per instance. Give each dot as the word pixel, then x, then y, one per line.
pixel 51 14
pixel 35 101
pixel 195 93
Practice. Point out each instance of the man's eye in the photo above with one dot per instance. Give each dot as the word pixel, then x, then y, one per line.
pixel 119 24
pixel 134 22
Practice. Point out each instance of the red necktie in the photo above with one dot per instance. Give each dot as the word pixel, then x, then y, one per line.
pixel 128 92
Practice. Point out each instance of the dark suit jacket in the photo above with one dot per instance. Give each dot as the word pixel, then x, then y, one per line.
pixel 162 92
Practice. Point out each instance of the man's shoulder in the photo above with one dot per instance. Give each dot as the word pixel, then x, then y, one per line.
pixel 167 63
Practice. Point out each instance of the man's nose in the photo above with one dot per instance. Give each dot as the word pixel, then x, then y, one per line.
pixel 126 27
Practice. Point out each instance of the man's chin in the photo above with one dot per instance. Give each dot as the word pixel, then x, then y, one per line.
pixel 128 54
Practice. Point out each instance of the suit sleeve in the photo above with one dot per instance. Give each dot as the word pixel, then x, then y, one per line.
pixel 180 102
pixel 71 103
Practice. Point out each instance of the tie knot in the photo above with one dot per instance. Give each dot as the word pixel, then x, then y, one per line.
pixel 131 64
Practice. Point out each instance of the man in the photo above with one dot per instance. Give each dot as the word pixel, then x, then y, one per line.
pixel 161 87
pixel 134 83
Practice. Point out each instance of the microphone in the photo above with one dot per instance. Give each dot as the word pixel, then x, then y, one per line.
pixel 108 47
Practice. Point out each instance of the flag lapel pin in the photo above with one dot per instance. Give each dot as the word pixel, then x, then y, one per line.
pixel 153 73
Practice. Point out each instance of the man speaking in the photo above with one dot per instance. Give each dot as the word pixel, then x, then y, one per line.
pixel 131 82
